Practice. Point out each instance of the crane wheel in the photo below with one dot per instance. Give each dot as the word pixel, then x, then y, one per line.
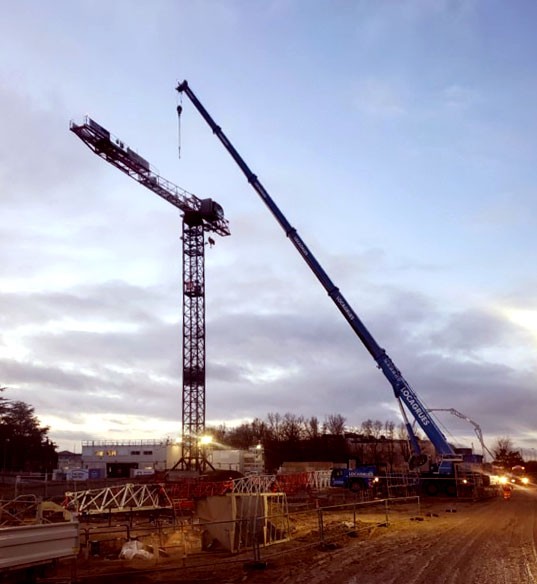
pixel 431 489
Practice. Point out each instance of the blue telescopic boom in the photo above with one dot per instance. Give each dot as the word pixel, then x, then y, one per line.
pixel 402 390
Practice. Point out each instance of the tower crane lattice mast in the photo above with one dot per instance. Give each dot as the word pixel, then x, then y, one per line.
pixel 199 216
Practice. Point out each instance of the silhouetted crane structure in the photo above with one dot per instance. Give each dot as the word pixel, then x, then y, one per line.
pixel 477 428
pixel 199 217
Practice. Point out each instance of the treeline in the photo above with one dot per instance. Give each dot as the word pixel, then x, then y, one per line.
pixel 25 445
pixel 290 438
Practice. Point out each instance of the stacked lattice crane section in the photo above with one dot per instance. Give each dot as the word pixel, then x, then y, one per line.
pixel 200 216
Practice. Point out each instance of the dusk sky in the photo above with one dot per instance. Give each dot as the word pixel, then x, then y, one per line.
pixel 398 137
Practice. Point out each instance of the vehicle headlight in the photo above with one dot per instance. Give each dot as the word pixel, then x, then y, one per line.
pixel 525 480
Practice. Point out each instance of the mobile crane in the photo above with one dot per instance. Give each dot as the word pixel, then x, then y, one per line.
pixel 199 217
pixel 404 393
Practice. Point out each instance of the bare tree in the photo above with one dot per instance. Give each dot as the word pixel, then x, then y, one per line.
pixel 367 427
pixel 275 425
pixel 334 424
pixel 313 428
pixel 292 427
pixel 505 453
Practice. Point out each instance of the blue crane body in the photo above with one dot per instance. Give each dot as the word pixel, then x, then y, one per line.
pixel 401 388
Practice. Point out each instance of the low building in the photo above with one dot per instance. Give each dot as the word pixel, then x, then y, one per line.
pixel 68 460
pixel 127 458
pixel 69 464
pixel 304 466
pixel 247 462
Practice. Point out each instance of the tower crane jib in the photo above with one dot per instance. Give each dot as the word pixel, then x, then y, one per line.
pixel 116 152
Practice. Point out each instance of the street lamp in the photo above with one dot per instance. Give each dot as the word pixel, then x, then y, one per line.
pixel 205 440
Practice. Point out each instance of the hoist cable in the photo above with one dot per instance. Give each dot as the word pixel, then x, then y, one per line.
pixel 179 111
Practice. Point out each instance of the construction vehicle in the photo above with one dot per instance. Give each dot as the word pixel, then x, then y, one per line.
pixel 404 394
pixel 518 475
pixel 360 478
pixel 477 428
pixel 200 216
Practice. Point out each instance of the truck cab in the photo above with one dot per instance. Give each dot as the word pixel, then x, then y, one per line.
pixel 356 479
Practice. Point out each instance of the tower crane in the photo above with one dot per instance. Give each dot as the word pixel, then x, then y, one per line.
pixel 200 216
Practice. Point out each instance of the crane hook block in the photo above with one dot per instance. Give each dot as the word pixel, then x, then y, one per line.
pixel 179 109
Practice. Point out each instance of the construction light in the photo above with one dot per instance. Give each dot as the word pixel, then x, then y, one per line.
pixel 205 440
pixel 525 480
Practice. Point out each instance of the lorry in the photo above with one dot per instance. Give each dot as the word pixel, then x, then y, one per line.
pixel 444 467
pixel 360 478
pixel 518 475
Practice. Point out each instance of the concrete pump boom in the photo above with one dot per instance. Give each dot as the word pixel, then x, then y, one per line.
pixel 477 428
pixel 401 388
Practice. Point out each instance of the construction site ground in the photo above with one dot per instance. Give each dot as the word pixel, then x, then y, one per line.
pixel 441 541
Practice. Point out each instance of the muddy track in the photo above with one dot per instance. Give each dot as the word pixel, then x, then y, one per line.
pixel 491 542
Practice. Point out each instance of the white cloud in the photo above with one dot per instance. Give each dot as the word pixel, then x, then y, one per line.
pixel 457 97
pixel 379 97
pixel 400 191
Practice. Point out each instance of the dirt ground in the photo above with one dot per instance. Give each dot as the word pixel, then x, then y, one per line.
pixel 447 541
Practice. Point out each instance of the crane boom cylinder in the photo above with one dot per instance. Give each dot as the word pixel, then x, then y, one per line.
pixel 401 387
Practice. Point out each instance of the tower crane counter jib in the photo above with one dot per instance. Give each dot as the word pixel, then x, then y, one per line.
pixel 402 389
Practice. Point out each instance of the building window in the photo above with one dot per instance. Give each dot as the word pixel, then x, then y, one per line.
pixel 148 452
pixel 111 453
pixel 135 452
pixel 99 453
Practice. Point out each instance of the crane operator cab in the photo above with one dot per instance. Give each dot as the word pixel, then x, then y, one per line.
pixel 211 211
